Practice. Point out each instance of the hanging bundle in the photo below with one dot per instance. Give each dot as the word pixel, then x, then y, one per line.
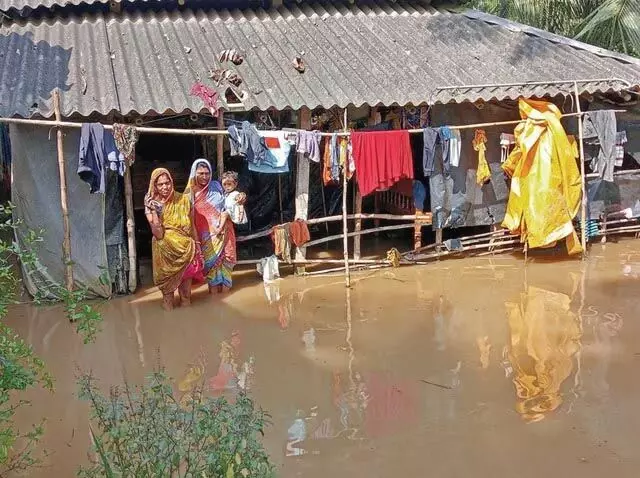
pixel 393 256
pixel 480 145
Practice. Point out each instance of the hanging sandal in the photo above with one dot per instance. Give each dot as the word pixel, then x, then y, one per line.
pixel 298 64
pixel 231 55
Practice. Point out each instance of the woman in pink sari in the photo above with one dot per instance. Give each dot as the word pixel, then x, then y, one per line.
pixel 218 244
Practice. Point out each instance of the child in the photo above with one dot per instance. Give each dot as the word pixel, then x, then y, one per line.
pixel 232 209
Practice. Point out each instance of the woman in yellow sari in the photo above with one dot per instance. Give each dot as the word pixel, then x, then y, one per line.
pixel 173 246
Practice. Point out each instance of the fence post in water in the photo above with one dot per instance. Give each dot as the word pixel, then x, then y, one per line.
pixel 345 222
pixel 66 243
pixel 131 230
pixel 583 215
pixel 357 206
pixel 302 187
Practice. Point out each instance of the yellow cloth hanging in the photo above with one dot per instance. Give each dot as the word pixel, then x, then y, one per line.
pixel 545 181
pixel 483 173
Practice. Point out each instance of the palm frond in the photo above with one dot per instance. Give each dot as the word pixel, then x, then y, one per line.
pixel 614 25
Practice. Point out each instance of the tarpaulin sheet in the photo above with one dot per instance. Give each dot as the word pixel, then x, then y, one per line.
pixel 36 195
pixel 546 186
pixel 458 201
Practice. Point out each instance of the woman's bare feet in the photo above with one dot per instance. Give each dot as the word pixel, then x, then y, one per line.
pixel 185 293
pixel 167 302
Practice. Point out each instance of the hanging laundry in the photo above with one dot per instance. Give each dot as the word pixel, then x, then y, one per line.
pixel 277 154
pixel 483 173
pixel 432 137
pixel 506 141
pixel 126 137
pixel 455 147
pixel 346 156
pixel 327 177
pixel 419 195
pixel 248 143
pixel 335 158
pixel 621 140
pixel 92 157
pixel 268 269
pixel 5 158
pixel 299 232
pixel 602 125
pixel 280 235
pixel 308 144
pixel 545 180
pixel 208 95
pixel 382 158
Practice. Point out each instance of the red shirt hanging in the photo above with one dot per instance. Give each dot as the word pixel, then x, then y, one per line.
pixel 382 158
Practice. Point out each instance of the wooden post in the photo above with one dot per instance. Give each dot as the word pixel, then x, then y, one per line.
pixel 357 200
pixel 62 169
pixel 220 145
pixel 583 215
pixel 131 230
pixel 345 222
pixel 302 188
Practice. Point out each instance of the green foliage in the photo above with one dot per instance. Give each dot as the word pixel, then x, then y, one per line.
pixel 610 24
pixel 20 368
pixel 146 432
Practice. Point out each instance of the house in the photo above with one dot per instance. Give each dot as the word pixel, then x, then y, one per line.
pixel 135 61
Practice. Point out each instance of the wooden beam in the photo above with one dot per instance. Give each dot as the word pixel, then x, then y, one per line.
pixel 62 170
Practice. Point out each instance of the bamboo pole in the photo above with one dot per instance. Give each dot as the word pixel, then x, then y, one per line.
pixel 302 186
pixel 583 215
pixel 223 132
pixel 345 223
pixel 62 170
pixel 424 220
pixel 131 230
pixel 220 146
pixel 315 261
pixel 615 173
pixel 322 240
pixel 358 223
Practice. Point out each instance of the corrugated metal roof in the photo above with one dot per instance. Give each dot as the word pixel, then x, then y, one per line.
pixel 26 8
pixel 387 53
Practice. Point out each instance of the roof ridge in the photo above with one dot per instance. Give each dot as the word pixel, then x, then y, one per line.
pixel 552 37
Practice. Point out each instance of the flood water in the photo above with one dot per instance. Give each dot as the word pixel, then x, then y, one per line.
pixel 467 367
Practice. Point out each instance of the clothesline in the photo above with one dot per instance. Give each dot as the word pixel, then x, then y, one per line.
pixel 218 132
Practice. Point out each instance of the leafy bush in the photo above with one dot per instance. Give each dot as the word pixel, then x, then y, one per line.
pixel 20 368
pixel 147 432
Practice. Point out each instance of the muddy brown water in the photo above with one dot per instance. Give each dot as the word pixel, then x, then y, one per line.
pixel 468 367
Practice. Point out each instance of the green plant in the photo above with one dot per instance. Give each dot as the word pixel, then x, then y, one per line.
pixel 611 24
pixel 20 368
pixel 147 432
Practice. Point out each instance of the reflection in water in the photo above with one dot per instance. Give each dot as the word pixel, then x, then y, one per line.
pixel 545 336
pixel 191 385
pixel 442 316
pixel 309 339
pixel 484 346
pixel 230 375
